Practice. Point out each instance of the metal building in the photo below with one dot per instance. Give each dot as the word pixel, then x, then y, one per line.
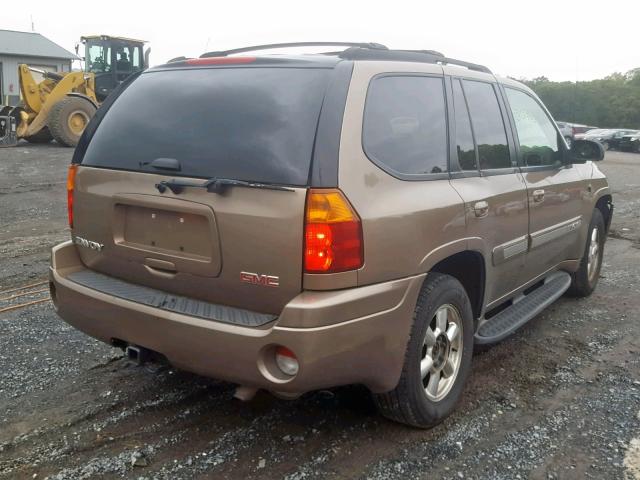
pixel 30 48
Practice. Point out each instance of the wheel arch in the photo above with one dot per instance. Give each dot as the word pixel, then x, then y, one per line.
pixel 85 97
pixel 605 205
pixel 468 267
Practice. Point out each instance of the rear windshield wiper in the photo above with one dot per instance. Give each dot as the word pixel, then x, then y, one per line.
pixel 214 185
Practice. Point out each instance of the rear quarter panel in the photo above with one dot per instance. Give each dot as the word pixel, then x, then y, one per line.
pixel 408 226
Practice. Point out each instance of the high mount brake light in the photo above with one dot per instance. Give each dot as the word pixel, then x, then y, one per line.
pixel 220 60
pixel 333 233
pixel 71 185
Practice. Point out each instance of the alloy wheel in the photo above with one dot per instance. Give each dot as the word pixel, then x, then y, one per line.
pixel 593 255
pixel 441 352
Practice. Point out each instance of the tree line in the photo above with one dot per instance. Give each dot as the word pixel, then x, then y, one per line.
pixel 611 102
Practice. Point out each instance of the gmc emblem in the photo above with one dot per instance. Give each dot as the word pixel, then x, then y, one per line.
pixel 262 280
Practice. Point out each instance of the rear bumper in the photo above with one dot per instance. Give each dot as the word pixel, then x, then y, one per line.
pixel 341 337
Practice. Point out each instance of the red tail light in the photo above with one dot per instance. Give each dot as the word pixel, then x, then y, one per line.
pixel 71 184
pixel 333 233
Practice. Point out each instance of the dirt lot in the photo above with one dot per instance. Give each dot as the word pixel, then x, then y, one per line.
pixel 560 399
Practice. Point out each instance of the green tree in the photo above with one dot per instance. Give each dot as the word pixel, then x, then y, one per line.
pixel 611 102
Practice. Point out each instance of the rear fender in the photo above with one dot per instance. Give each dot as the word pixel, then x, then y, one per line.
pixel 449 249
pixel 469 244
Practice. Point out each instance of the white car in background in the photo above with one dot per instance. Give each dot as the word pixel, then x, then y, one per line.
pixel 571 131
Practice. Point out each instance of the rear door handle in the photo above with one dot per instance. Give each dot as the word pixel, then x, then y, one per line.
pixel 538 196
pixel 481 209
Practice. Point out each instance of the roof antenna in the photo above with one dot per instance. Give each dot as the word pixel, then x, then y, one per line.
pixel 32 28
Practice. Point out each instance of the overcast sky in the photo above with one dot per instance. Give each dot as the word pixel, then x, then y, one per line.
pixel 561 39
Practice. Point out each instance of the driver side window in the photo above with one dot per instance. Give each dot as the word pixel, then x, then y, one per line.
pixel 538 138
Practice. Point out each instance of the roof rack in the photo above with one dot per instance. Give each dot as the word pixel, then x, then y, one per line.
pixel 224 53
pixel 361 51
pixel 424 56
pixel 452 61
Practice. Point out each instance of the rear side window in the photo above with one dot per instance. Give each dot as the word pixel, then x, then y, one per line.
pixel 404 129
pixel 255 124
pixel 488 125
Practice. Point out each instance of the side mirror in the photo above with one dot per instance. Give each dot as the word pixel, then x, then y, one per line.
pixel 584 150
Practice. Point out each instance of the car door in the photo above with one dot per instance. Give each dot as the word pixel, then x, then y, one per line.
pixel 489 183
pixel 555 189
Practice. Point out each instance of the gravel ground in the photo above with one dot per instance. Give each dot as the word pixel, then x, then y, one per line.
pixel 560 399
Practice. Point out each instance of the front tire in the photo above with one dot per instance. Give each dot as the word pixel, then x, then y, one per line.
pixel 438 357
pixel 68 119
pixel 585 279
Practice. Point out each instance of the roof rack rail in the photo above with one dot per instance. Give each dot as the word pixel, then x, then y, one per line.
pixel 426 56
pixel 224 53
pixel 361 51
pixel 462 63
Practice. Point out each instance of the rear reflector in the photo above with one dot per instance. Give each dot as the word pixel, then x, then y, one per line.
pixel 71 185
pixel 287 361
pixel 333 233
pixel 220 60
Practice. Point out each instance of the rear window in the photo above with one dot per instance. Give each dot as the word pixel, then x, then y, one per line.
pixel 255 124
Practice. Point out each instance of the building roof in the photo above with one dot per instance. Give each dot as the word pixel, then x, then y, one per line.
pixel 31 44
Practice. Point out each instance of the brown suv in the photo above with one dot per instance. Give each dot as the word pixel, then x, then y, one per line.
pixel 302 222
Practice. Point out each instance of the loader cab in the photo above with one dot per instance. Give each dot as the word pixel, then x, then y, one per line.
pixel 112 60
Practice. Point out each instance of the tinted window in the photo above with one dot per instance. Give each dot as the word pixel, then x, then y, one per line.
pixel 464 136
pixel 405 124
pixel 243 123
pixel 487 125
pixel 536 134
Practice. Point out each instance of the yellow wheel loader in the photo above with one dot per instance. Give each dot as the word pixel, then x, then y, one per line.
pixel 61 105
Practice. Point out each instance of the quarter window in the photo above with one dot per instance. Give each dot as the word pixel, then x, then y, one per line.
pixel 404 126
pixel 464 135
pixel 488 126
pixel 537 136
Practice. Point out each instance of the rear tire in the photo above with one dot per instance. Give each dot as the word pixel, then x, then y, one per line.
pixel 585 279
pixel 438 356
pixel 43 136
pixel 68 119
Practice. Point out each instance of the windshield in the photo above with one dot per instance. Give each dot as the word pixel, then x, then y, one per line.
pixel 253 123
pixel 98 57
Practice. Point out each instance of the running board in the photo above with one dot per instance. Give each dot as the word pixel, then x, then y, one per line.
pixel 524 308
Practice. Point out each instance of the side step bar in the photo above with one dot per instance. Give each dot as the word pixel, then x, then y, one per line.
pixel 523 309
